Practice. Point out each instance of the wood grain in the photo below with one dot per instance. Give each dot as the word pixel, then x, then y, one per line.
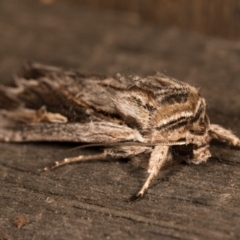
pixel 88 201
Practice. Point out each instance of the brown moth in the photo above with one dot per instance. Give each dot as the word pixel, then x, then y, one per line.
pixel 133 117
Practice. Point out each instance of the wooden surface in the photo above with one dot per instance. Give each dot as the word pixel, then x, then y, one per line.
pixel 89 201
pixel 212 18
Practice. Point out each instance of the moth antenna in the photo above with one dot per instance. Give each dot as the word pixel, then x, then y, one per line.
pixel 123 144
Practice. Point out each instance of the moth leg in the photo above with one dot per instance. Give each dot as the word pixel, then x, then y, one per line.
pixel 34 116
pixel 121 152
pixel 159 156
pixel 42 115
pixel 80 158
pixel 200 154
pixel 221 134
pixel 201 151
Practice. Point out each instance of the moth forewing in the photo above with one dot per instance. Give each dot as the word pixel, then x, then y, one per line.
pixel 93 132
pixel 133 117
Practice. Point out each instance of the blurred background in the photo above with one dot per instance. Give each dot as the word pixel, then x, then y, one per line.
pixel 220 18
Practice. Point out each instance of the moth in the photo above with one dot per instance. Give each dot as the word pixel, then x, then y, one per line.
pixel 154 119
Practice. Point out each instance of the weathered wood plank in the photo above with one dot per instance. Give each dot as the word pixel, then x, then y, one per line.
pixel 86 201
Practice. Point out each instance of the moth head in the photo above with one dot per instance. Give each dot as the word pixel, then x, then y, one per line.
pixel 198 134
pixel 200 122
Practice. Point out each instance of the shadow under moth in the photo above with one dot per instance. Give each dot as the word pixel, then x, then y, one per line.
pixel 149 119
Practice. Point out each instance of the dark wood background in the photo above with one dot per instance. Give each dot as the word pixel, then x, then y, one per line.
pixel 215 18
pixel 89 201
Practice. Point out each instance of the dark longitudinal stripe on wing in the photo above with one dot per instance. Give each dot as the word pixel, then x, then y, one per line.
pixel 147 106
pixel 175 98
pixel 173 95
pixel 177 125
pixel 181 121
